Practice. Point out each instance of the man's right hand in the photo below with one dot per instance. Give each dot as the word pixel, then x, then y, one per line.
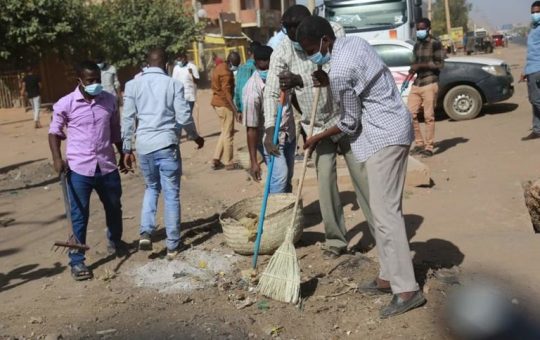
pixel 255 171
pixel 271 148
pixel 289 80
pixel 59 166
pixel 199 141
pixel 522 78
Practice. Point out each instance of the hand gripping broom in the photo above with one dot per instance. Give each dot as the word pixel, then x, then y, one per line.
pixel 281 278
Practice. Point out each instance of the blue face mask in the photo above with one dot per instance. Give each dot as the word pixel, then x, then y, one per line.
pixel 422 34
pixel 318 58
pixel 263 74
pixel 535 18
pixel 297 46
pixel 233 68
pixel 101 65
pixel 93 89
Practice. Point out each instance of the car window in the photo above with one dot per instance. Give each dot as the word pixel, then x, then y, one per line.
pixel 395 55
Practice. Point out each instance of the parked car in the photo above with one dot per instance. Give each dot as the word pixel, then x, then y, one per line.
pixel 465 83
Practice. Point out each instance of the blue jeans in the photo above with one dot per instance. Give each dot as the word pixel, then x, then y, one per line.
pixel 109 190
pixel 533 83
pixel 283 168
pixel 161 170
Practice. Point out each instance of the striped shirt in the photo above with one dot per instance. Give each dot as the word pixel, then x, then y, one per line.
pixel 284 58
pixel 253 115
pixel 372 111
pixel 429 52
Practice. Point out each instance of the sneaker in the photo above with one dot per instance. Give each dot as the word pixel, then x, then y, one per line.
pixel 145 242
pixel 118 249
pixel 171 253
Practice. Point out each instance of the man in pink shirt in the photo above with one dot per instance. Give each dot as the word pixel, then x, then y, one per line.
pixel 88 120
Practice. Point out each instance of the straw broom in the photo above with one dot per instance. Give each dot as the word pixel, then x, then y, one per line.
pixel 281 278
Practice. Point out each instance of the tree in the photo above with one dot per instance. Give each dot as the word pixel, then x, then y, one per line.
pixel 459 15
pixel 30 29
pixel 127 29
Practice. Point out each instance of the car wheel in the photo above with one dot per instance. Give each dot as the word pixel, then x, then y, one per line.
pixel 462 102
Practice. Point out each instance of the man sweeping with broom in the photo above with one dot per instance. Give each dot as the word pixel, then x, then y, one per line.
pixel 380 126
pixel 290 70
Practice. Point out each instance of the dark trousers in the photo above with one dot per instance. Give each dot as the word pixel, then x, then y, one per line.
pixel 109 190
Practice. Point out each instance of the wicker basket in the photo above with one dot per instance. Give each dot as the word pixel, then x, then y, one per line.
pixel 242 154
pixel 278 218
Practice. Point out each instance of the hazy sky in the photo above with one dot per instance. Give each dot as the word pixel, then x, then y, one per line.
pixel 499 12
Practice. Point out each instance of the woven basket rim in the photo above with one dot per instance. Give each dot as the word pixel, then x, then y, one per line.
pixel 286 207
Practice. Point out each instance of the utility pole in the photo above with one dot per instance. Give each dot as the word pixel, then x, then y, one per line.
pixel 448 23
pixel 429 5
pixel 283 6
pixel 311 5
pixel 200 44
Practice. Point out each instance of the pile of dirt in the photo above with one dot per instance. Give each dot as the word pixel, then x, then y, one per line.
pixel 195 269
pixel 27 175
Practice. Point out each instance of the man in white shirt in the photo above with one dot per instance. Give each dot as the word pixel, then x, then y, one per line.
pixel 186 72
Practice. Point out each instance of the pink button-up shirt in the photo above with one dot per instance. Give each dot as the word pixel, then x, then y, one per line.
pixel 91 129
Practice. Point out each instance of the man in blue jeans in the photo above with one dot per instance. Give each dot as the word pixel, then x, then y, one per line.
pixel 90 118
pixel 158 103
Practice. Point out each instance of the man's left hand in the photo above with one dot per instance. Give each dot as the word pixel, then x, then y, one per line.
pixel 238 116
pixel 127 161
pixel 289 80
pixel 320 78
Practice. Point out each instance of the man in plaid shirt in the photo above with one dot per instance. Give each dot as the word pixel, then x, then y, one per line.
pixel 429 60
pixel 375 117
pixel 290 70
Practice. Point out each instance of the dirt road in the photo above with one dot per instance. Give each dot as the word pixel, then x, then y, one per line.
pixel 472 217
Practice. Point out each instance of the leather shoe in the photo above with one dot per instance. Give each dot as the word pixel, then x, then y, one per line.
pixel 399 306
pixel 332 253
pixel 372 288
pixel 531 136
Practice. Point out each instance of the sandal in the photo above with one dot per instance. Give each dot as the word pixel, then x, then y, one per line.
pixel 217 165
pixel 80 272
pixel 233 166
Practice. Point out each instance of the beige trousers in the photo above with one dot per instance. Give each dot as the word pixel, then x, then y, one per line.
pixel 329 199
pixel 425 96
pixel 386 172
pixel 224 147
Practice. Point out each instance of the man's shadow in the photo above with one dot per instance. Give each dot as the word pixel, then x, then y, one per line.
pixel 28 273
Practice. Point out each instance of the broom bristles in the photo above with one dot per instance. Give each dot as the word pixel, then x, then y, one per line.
pixel 281 278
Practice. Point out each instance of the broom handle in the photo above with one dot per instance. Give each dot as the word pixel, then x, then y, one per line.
pixel 262 214
pixel 290 231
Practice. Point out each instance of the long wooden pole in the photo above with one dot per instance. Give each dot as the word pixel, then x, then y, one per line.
pixel 429 10
pixel 448 23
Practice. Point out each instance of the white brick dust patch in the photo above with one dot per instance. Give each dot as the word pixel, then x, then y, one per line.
pixel 192 269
